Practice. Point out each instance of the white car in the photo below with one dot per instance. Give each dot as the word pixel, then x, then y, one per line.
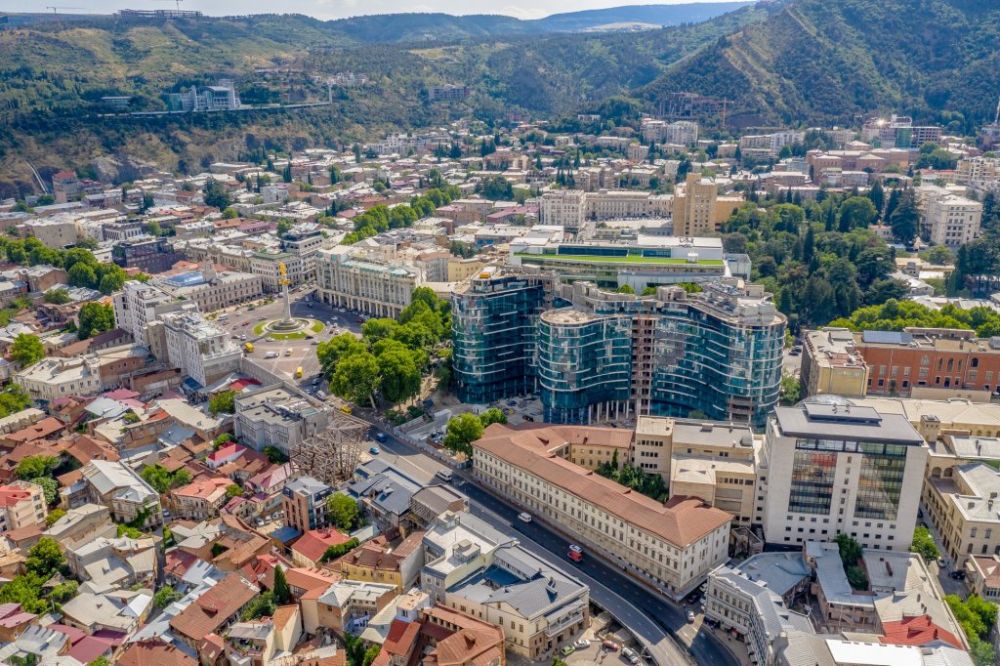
pixel 581 644
pixel 524 517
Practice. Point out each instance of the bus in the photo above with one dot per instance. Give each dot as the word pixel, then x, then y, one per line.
pixel 298 372
pixel 575 553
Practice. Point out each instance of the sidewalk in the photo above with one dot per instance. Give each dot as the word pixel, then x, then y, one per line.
pixel 737 648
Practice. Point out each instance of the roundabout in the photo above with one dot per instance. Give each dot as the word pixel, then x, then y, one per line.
pixel 288 327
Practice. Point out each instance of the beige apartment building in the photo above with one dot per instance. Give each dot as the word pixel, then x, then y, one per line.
pixel 965 511
pixel 564 208
pixel 672 546
pixel 21 504
pixel 832 365
pixel 698 210
pixel 933 418
pixel 952 220
pixel 712 460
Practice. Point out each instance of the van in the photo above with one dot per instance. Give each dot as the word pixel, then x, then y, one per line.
pixel 524 517
pixel 271 354
pixel 444 474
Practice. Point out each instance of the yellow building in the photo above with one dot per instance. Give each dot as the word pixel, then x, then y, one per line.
pixel 832 365
pixel 698 210
pixel 965 511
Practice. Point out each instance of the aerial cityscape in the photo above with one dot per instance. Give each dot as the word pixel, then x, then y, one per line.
pixel 548 335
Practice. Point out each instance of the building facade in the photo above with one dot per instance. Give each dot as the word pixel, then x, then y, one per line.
pixel 834 467
pixel 672 546
pixel 952 220
pixel 349 280
pixel 203 351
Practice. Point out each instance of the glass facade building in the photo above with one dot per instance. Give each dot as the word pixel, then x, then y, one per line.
pixel 716 353
pixel 494 329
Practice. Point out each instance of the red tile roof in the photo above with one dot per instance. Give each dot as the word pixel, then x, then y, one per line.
pixel 919 630
pixel 681 521
pixel 214 608
pixel 153 651
pixel 314 543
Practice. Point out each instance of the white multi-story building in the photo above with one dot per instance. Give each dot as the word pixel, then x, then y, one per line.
pixel 769 145
pixel 202 350
pixel 139 304
pixel 212 290
pixel 56 232
pixel 680 132
pixel 348 277
pixel 267 265
pixel 271 416
pixel 952 220
pixel 833 467
pixel 673 546
pixel 472 568
pixel 564 208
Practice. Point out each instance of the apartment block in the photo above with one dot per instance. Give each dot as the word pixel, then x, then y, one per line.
pixel 21 504
pixel 951 220
pixel 834 467
pixel 272 416
pixel 713 461
pixel 672 546
pixel 348 278
pixel 964 508
pixel 980 173
pixel 471 568
pixel 564 208
pixel 608 355
pixel 698 210
pixel 204 352
pixel 106 369
pixel 304 503
pixel 56 232
pixel 139 304
pixel 118 487
pixel 831 364
pixel 679 132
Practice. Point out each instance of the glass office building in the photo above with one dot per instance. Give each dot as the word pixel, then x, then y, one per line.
pixel 494 328
pixel 608 355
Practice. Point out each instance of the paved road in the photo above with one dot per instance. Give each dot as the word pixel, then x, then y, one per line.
pixel 644 613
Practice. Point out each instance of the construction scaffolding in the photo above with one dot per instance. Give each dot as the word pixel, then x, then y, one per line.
pixel 331 455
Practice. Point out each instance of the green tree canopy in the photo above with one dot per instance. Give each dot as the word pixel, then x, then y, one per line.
pixel 27 350
pixel 462 431
pixel 342 511
pixel 95 318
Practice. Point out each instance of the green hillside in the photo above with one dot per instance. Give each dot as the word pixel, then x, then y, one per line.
pixel 816 61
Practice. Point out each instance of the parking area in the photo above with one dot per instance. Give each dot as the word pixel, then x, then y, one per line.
pixel 604 643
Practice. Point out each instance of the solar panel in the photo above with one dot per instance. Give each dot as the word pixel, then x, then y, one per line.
pixel 887 337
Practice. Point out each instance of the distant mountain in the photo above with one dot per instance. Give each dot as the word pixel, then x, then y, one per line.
pixel 445 27
pixel 823 61
pixel 651 15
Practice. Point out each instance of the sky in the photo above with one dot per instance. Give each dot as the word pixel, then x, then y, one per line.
pixel 332 9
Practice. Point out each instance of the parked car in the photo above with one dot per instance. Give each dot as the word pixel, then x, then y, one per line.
pixel 374 451
pixel 524 517
pixel 567 650
pixel 630 654
pixel 609 645
pixel 581 644
pixel 690 616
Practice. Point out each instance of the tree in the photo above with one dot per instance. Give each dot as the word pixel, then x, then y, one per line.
pixel 923 544
pixel 342 511
pixel 27 350
pixel 83 275
pixel 100 661
pixel 374 330
pixel 282 592
pixel 56 296
pixel 938 255
pixel 336 348
pixel 215 194
pixel 625 289
pixel 222 402
pixel 32 467
pixel 856 213
pixel 165 596
pixel 338 550
pixel 275 456
pixel 45 558
pixel 491 416
pixel 53 517
pixel 356 378
pixel 905 218
pixel 496 188
pixel 399 375
pixel 224 438
pixel 233 490
pixel 462 431
pixel 877 196
pixel 260 606
pixel 791 390
pixel 95 318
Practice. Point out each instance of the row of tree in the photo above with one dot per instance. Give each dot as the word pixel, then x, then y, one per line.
pixel 389 360
pixel 81 266
pixel 382 218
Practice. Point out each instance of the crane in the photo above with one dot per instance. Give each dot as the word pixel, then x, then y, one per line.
pixel 55 8
pixel 177 2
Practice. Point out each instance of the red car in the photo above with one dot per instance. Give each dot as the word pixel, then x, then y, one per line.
pixel 575 553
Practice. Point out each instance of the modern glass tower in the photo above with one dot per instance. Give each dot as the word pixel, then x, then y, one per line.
pixel 608 355
pixel 494 327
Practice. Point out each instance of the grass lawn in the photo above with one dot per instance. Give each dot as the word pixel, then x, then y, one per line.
pixel 629 259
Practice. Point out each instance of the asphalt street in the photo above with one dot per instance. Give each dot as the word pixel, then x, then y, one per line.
pixel 647 615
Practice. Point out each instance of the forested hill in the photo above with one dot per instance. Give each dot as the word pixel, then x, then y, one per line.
pixel 823 61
